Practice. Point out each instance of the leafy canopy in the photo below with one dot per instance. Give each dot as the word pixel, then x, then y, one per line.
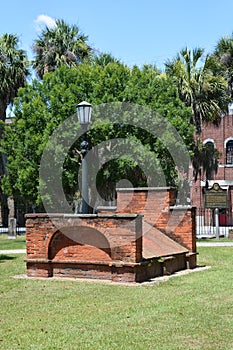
pixel 42 105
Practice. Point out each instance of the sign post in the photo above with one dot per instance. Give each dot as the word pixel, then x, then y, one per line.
pixel 216 198
pixel 216 212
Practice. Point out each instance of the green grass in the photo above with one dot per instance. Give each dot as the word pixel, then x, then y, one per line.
pixel 186 312
pixel 18 243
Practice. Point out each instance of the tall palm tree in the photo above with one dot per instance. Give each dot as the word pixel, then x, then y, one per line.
pixel 61 45
pixel 198 86
pixel 14 68
pixel 13 71
pixel 224 56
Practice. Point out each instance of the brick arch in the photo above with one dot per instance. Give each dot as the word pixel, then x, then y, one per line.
pixel 227 140
pixel 228 144
pixel 208 141
pixel 79 243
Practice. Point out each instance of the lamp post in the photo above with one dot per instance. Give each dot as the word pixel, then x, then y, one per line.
pixel 84 117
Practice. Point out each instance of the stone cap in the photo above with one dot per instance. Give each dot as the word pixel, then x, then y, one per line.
pixel 74 216
pixel 143 189
pixel 106 208
pixel 181 207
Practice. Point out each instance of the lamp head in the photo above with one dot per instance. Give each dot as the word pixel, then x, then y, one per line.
pixel 84 112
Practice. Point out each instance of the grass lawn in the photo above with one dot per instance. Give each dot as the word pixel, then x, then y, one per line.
pixel 18 243
pixel 187 312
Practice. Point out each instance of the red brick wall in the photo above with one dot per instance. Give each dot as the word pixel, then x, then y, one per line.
pixel 219 134
pixel 62 248
pixel 150 202
pixel 92 238
pixel 157 207
pixel 182 226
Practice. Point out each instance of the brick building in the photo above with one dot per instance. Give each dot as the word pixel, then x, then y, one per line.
pixel 221 137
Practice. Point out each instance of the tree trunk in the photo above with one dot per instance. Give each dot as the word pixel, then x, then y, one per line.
pixel 3 169
pixel 196 119
pixel 3 108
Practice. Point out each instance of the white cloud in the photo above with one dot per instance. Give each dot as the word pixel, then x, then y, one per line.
pixel 44 20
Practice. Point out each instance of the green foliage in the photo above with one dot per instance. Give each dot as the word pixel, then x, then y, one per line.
pixel 103 59
pixel 58 46
pixel 43 105
pixel 223 58
pixel 205 160
pixel 198 86
pixel 13 70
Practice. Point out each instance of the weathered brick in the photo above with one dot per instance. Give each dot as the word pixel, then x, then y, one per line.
pixel 107 245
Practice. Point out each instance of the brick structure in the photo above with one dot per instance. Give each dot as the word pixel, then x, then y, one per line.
pixel 157 205
pixel 134 242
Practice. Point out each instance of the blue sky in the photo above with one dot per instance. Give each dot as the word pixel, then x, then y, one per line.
pixel 135 31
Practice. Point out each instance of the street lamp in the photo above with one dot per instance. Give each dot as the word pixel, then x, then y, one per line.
pixel 84 117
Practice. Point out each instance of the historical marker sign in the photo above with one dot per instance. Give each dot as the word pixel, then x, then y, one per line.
pixel 216 197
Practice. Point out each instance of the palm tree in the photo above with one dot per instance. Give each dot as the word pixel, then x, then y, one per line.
pixel 198 87
pixel 224 56
pixel 13 71
pixel 60 45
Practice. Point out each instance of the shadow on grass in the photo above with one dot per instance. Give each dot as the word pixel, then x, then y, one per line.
pixel 4 257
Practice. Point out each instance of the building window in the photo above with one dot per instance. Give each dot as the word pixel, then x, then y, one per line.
pixel 229 152
pixel 209 145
